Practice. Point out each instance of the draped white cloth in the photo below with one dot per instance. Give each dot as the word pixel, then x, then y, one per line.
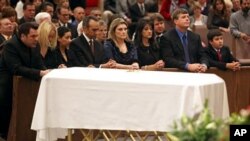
pixel 113 99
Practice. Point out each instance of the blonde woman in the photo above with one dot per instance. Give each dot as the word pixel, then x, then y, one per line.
pixel 47 39
pixel 101 34
pixel 119 48
pixel 197 18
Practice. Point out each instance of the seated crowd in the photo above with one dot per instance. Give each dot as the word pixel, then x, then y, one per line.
pixel 46 35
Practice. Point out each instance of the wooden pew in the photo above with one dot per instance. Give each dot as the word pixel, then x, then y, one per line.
pixel 242 49
pixel 24 98
pixel 202 31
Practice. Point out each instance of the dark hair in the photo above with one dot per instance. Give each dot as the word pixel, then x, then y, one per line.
pixel 86 20
pixel 59 8
pixel 27 4
pixel 212 33
pixel 25 28
pixel 138 33
pixel 158 17
pixel 62 30
pixel 223 13
pixel 241 1
pixel 8 12
pixel 177 12
pixel 45 4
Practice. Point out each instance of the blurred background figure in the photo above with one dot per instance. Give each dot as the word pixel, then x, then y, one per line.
pixel 48 7
pixel 10 13
pixel 147 48
pixel 197 18
pixel 63 15
pixel 6 30
pixel 28 13
pixel 205 6
pixel 4 3
pixel 159 26
pixel 79 14
pixel 240 22
pixel 96 12
pixel 167 7
pixel 236 5
pixel 42 16
pixel 218 17
pixel 101 34
pixel 110 5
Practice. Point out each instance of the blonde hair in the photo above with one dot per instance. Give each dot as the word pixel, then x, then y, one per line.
pixel 196 5
pixel 113 26
pixel 44 30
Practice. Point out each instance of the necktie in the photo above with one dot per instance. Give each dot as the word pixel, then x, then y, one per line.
pixel 219 55
pixel 185 47
pixel 142 9
pixel 158 39
pixel 91 44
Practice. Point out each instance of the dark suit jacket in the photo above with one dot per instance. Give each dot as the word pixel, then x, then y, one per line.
pixel 172 50
pixel 226 56
pixel 135 12
pixel 73 30
pixel 82 50
pixel 2 40
pixel 17 59
pixel 22 20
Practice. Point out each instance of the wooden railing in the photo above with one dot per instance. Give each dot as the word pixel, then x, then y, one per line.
pixel 24 98
pixel 25 94
pixel 239 48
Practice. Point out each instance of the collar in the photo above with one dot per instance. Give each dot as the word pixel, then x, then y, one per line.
pixel 180 34
pixel 6 37
pixel 62 24
pixel 159 35
pixel 86 37
pixel 216 49
pixel 140 3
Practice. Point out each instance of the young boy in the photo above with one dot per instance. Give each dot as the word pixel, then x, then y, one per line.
pixel 219 55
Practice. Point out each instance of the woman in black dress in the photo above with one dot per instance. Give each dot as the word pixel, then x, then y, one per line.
pixel 65 54
pixel 147 48
pixel 47 39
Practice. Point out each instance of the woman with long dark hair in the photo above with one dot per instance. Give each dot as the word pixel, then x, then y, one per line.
pixel 218 17
pixel 65 54
pixel 147 48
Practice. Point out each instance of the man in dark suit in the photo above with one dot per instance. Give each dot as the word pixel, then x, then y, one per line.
pixel 136 12
pixel 6 31
pixel 181 48
pixel 20 57
pixel 219 55
pixel 89 52
pixel 63 19
pixel 28 13
pixel 159 26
